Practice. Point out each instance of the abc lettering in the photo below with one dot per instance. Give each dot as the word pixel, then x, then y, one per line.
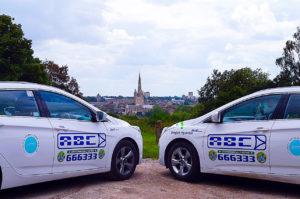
pixel 76 140
pixel 229 141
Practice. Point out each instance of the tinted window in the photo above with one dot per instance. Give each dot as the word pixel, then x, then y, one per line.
pixel 293 107
pixel 18 103
pixel 260 108
pixel 60 106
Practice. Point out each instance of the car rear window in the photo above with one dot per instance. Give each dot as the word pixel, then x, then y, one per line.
pixel 18 103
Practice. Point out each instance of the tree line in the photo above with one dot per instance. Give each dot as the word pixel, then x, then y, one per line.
pixel 17 62
pixel 223 87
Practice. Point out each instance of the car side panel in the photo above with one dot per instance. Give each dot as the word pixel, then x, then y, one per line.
pixel 12 179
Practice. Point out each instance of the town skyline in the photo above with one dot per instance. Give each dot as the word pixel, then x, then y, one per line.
pixel 141 103
pixel 146 93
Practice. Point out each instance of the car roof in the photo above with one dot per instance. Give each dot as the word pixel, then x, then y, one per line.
pixel 290 89
pixel 25 85
pixel 10 85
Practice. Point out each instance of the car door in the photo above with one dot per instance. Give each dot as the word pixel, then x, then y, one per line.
pixel 80 143
pixel 27 141
pixel 241 141
pixel 285 140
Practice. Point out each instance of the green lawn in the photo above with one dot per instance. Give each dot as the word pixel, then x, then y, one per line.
pixel 150 149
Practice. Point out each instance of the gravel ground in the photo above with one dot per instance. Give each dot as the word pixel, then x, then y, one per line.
pixel 154 181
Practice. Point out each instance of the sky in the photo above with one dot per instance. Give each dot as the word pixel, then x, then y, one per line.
pixel 173 44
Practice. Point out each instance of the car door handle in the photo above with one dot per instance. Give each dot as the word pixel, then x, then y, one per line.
pixel 261 129
pixel 59 128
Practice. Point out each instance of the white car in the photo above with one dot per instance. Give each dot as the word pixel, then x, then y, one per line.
pixel 48 134
pixel 256 136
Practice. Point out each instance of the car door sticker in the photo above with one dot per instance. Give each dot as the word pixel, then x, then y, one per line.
pixel 30 144
pixel 80 155
pixel 80 146
pixel 294 146
pixel 81 140
pixel 237 148
pixel 233 141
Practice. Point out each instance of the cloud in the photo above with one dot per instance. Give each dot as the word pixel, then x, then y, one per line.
pixel 175 44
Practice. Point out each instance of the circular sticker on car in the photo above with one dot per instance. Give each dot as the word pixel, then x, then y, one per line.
pixel 101 153
pixel 294 147
pixel 212 155
pixel 61 156
pixel 31 144
pixel 261 157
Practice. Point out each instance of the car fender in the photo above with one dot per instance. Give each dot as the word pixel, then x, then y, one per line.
pixel 3 162
pixel 191 134
pixel 3 166
pixel 116 134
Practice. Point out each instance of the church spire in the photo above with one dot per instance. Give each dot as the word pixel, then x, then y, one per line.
pixel 140 84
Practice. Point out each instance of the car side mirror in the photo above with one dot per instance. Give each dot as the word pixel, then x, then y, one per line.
pixel 215 118
pixel 100 117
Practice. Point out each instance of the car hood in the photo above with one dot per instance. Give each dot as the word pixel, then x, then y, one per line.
pixel 117 121
pixel 191 122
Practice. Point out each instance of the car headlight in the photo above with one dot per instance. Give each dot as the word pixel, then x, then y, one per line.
pixel 136 128
pixel 164 130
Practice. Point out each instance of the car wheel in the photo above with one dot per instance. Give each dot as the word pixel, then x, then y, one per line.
pixel 124 160
pixel 183 161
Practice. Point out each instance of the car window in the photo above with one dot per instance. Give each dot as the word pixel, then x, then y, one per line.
pixel 260 108
pixel 61 106
pixel 293 108
pixel 18 103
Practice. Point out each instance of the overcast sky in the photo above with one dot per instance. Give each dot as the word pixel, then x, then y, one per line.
pixel 174 44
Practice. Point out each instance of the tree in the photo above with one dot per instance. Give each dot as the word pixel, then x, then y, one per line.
pixel 222 88
pixel 157 113
pixel 184 108
pixel 16 56
pixel 60 78
pixel 289 63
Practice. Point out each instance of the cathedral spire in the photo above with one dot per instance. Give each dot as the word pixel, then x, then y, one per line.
pixel 139 95
pixel 140 84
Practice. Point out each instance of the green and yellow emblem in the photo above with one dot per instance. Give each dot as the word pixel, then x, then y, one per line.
pixel 261 157
pixel 61 156
pixel 212 155
pixel 101 153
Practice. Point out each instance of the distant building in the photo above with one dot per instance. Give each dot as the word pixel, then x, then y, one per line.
pixel 139 95
pixel 147 94
pixel 179 102
pixel 139 107
pixel 191 95
pixel 98 97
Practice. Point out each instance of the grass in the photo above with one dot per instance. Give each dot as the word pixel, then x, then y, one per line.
pixel 150 147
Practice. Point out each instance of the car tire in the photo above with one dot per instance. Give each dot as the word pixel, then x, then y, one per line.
pixel 124 160
pixel 183 161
